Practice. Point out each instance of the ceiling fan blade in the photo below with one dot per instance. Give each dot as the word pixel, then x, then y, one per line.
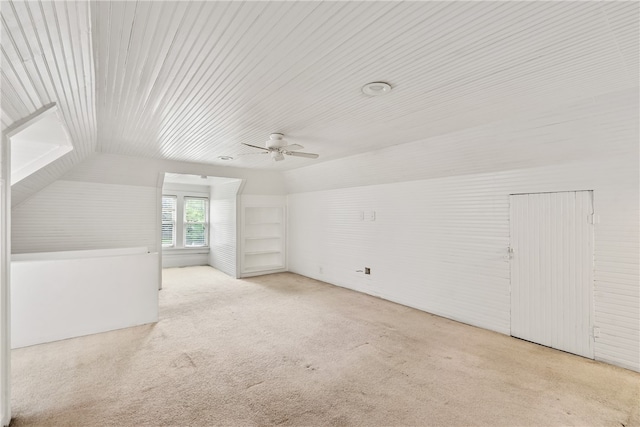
pixel 255 146
pixel 299 154
pixel 293 147
pixel 251 154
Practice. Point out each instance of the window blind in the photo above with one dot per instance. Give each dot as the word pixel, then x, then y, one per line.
pixel 169 221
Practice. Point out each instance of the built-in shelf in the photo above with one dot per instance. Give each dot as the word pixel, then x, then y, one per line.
pixel 263 238
pixel 262 252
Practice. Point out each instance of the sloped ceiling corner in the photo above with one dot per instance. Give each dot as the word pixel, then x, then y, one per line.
pixel 106 168
pixel 593 129
pixel 47 58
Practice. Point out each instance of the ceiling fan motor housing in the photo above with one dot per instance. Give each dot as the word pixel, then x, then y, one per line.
pixel 276 140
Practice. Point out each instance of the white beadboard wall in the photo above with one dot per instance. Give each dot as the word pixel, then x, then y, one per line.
pixel 440 245
pixel 111 201
pixel 441 231
pixel 76 215
pixel 223 227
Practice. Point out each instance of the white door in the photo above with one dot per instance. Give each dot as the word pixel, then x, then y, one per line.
pixel 552 270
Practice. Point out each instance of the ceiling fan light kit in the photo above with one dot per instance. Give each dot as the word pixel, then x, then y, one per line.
pixel 276 146
pixel 277 156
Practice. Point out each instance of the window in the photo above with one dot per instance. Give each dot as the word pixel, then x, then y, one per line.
pixel 195 222
pixel 169 204
pixel 190 232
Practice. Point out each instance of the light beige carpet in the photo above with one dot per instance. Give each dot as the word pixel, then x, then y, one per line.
pixel 287 350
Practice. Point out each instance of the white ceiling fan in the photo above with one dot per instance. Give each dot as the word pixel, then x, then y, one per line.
pixel 277 147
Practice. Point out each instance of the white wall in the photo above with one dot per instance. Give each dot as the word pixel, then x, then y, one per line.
pixel 111 201
pixel 223 227
pixel 76 215
pixel 54 298
pixel 128 170
pixel 439 243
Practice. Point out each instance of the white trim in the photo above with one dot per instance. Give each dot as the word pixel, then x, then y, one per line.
pixel 186 250
pixel 207 207
pixel 5 281
pixel 159 185
pixel 180 224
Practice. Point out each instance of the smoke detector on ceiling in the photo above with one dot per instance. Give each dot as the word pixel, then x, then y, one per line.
pixel 376 88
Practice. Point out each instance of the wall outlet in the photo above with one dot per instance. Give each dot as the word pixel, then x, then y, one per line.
pixel 367 270
pixel 320 270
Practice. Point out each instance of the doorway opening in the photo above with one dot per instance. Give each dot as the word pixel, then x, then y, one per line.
pixel 199 221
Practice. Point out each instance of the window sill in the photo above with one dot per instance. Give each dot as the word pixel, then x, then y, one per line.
pixel 180 251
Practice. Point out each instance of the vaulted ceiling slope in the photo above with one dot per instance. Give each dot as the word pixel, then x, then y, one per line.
pixel 47 58
pixel 191 81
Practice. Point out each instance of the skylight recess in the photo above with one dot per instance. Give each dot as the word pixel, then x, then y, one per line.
pixel 37 142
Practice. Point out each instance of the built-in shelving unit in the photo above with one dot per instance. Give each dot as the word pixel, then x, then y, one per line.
pixel 263 246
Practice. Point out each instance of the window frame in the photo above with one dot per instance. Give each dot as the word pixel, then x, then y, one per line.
pixel 185 223
pixel 174 231
pixel 180 229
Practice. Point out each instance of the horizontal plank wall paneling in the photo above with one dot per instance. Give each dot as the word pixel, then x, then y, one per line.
pixel 440 245
pixel 223 219
pixel 113 200
pixel 431 218
pixel 73 215
pixel 441 228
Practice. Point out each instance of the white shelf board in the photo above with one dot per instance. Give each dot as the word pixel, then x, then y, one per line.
pixel 263 252
pixel 262 238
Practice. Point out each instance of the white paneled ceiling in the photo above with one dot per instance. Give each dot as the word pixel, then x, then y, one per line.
pixel 47 58
pixel 192 81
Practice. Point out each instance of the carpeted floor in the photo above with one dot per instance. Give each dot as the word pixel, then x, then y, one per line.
pixel 287 350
